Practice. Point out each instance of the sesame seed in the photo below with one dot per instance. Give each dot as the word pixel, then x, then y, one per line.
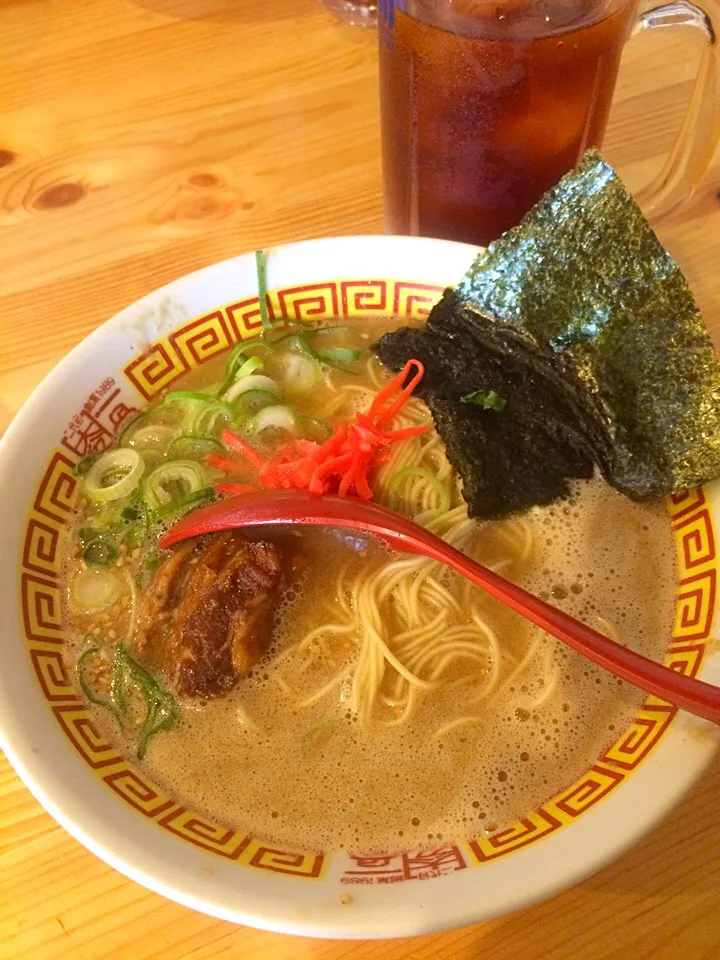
pixel 112 634
pixel 120 562
pixel 136 553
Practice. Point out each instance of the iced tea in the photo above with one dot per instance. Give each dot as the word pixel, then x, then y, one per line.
pixel 486 104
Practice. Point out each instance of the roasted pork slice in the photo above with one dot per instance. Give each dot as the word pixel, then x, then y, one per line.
pixel 206 616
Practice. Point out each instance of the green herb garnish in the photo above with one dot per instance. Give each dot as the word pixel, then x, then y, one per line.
pixel 236 359
pixel 162 709
pixel 339 355
pixel 181 504
pixel 486 399
pixel 333 357
pixel 261 264
pixel 130 680
pixel 99 552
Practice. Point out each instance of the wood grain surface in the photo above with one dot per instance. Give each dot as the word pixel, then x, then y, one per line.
pixel 141 139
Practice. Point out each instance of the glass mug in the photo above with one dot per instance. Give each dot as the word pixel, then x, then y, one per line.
pixel 358 13
pixel 485 104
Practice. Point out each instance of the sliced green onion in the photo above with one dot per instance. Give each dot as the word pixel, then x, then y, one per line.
pixel 251 365
pixel 130 427
pixel 201 418
pixel 154 436
pixel 193 499
pixel 189 448
pixel 202 411
pixel 300 372
pixel 156 416
pixel 235 359
pixel 94 589
pixel 429 477
pixel 99 552
pixel 162 707
pixel 279 417
pixel 294 341
pixel 161 710
pixel 261 266
pixel 174 480
pixel 339 354
pixel 113 475
pixel 254 382
pixel 183 396
pixel 241 348
pixel 250 402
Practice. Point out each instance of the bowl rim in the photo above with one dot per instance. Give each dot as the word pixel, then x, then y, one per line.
pixel 404 909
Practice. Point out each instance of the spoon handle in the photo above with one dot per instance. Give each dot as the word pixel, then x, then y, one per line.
pixel 696 696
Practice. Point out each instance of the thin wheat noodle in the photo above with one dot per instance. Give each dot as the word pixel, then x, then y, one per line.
pixel 403 623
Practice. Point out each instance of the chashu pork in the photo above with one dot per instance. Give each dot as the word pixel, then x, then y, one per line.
pixel 206 616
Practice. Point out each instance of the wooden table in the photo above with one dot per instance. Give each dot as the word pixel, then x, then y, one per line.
pixel 141 139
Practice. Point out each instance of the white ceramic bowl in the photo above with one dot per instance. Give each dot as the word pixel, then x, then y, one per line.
pixel 106 803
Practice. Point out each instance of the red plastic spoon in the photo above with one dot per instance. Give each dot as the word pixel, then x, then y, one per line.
pixel 271 508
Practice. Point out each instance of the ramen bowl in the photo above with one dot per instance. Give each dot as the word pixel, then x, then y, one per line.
pixel 106 800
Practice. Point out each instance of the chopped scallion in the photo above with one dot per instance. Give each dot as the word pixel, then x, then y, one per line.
pixel 251 365
pixel 128 678
pixel 114 475
pixel 173 481
pixel 261 266
pixel 194 499
pixel 339 355
pixel 99 552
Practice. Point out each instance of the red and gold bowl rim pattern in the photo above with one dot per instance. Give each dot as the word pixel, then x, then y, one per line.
pixel 92 429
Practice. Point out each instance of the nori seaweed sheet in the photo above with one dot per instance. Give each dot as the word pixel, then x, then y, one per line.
pixel 509 460
pixel 582 321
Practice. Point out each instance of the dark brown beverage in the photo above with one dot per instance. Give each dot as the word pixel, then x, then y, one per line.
pixel 485 106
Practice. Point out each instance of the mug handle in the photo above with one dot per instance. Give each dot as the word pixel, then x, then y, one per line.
pixel 695 145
